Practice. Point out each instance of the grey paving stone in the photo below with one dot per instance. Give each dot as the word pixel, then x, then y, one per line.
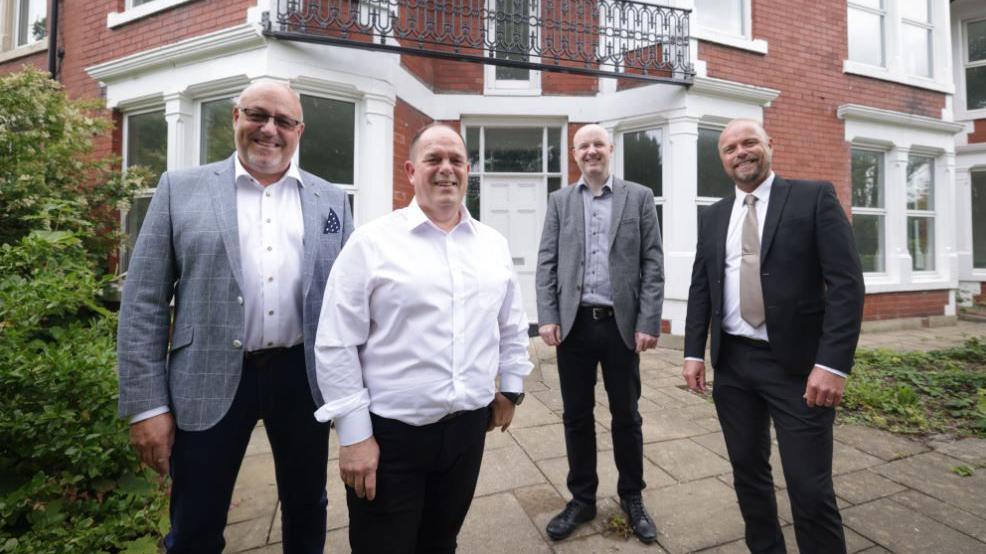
pixel 684 395
pixel 505 469
pixel 714 442
pixel 551 398
pixel 735 547
pixel 599 543
pixel 854 541
pixel 556 470
pixel 937 510
pixel 533 413
pixel 540 443
pixel 247 534
pixel 863 486
pixel 337 541
pixel 668 425
pixel 498 523
pixel 847 459
pixel 695 515
pixel 931 473
pixel 876 550
pixel 251 501
pixel 902 530
pixel 338 512
pixel 686 460
pixel 969 450
pixel 258 442
pixel 543 502
pixel 883 445
pixel 500 439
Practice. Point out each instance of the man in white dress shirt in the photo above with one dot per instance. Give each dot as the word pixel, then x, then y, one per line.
pixel 412 336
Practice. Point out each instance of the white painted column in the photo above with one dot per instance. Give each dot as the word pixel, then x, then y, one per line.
pixel 963 221
pixel 680 216
pixel 946 218
pixel 895 240
pixel 375 158
pixel 179 113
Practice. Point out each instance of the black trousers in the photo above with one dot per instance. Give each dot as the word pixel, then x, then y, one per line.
pixel 750 390
pixel 426 478
pixel 592 342
pixel 204 464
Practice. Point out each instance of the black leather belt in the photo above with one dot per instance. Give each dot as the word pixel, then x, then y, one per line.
pixel 596 312
pixel 261 357
pixel 453 415
pixel 754 343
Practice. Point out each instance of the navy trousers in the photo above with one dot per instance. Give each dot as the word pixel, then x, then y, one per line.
pixel 204 464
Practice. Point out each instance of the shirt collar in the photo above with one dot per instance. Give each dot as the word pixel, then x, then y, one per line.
pixel 416 217
pixel 607 185
pixel 762 192
pixel 291 173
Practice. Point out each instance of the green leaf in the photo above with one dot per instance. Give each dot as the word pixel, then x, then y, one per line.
pixel 963 471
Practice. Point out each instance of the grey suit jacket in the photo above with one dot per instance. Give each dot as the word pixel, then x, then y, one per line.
pixel 188 251
pixel 636 261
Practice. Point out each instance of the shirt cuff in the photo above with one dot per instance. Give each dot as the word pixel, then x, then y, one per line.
pixel 353 427
pixel 830 370
pixel 695 359
pixel 511 383
pixel 149 414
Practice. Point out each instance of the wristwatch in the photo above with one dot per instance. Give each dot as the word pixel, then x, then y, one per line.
pixel 516 397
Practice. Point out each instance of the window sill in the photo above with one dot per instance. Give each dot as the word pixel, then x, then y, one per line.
pixel 758 46
pixel 884 74
pixel 116 19
pixel 26 50
pixel 877 283
pixel 493 91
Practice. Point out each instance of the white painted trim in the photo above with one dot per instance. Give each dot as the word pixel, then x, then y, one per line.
pixel 26 50
pixel 888 117
pixel 116 19
pixel 761 96
pixel 233 39
pixel 882 73
pixel 758 46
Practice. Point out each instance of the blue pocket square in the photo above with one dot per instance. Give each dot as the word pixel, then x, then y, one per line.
pixel 332 223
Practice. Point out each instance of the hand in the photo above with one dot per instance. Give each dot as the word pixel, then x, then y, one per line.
pixel 550 334
pixel 153 438
pixel 358 467
pixel 502 412
pixel 824 388
pixel 694 374
pixel 644 341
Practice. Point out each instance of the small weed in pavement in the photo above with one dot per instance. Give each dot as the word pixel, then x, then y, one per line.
pixel 617 525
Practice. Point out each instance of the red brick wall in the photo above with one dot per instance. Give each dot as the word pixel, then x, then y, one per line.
pixel 805 63
pixel 896 305
pixel 979 132
pixel 39 60
pixel 407 121
pixel 445 76
pixel 573 169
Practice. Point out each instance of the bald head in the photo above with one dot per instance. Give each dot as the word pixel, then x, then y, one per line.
pixel 285 94
pixel 267 128
pixel 430 128
pixel 746 151
pixel 592 149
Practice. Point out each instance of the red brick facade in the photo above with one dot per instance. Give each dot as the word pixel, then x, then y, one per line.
pixel 979 133
pixel 407 121
pixel 895 305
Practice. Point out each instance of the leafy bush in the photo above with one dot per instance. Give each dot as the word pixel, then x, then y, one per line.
pixel 920 392
pixel 68 479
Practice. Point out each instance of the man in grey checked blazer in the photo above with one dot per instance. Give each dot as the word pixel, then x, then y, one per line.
pixel 241 249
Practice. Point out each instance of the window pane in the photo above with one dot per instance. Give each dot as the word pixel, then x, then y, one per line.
pixel 920 183
pixel 975 87
pixel 660 219
pixel 867 179
pixel 865 37
pixel 712 179
pixel 472 147
pixel 915 10
pixel 328 142
pixel 869 241
pixel 132 225
pixel 216 140
pixel 920 243
pixel 917 50
pixel 554 150
pixel 513 149
pixel 135 3
pixel 721 15
pixel 875 4
pixel 147 141
pixel 31 21
pixel 642 159
pixel 513 34
pixel 979 219
pixel 977 40
pixel 472 197
pixel 554 183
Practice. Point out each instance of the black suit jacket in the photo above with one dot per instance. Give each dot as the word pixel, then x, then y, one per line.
pixel 810 272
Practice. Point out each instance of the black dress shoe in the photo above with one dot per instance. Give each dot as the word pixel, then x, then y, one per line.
pixel 574 514
pixel 643 526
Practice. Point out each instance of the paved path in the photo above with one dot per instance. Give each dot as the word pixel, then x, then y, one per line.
pixel 896 494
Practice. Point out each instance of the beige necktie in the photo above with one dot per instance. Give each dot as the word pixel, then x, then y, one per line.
pixel 751 293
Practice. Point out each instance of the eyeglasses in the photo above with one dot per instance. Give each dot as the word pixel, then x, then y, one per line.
pixel 260 117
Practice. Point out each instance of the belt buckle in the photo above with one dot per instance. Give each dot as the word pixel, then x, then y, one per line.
pixel 599 313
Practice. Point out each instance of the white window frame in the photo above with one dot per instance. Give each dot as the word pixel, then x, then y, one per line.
pixel 744 40
pixel 962 96
pixel 133 13
pixel 145 192
pixel 621 157
pixel 199 101
pixel 882 212
pixel 930 215
pixel 511 87
pixel 893 68
pixel 16 21
pixel 351 190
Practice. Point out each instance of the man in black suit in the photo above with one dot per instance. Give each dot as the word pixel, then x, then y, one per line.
pixel 778 277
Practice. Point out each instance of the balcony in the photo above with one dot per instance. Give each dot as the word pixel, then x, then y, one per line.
pixel 613 38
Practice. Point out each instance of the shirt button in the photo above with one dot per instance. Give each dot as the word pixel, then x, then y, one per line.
pixel 270 312
pixel 239 300
pixel 268 194
pixel 270 248
pixel 268 220
pixel 269 279
pixel 237 344
pixel 270 343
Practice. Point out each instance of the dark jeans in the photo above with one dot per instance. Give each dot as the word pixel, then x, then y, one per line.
pixel 589 344
pixel 750 390
pixel 204 464
pixel 425 481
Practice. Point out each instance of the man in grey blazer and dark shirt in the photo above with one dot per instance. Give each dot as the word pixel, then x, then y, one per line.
pixel 242 248
pixel 600 289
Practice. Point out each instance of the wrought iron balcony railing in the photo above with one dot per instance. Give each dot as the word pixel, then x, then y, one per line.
pixel 617 38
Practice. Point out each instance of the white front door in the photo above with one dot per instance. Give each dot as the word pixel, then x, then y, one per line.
pixel 515 207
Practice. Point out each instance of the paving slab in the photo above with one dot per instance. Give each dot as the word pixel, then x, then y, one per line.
pixel 251 501
pixel 882 444
pixel 548 441
pixel 686 460
pixel 941 512
pixel 247 534
pixel 847 459
pixel 551 398
pixel 599 544
pixel 543 502
pixel 854 541
pixel 668 425
pixel 499 439
pixel 902 530
pixel 714 442
pixel 533 413
pixel 862 486
pixel 497 523
pixel 969 450
pixel 556 470
pixel 695 515
pixel 931 473
pixel 258 442
pixel 506 469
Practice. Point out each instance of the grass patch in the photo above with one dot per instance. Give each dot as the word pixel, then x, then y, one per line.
pixel 618 526
pixel 920 392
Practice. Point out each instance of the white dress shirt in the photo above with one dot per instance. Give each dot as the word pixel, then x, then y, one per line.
pixel 417 323
pixel 732 322
pixel 271 229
